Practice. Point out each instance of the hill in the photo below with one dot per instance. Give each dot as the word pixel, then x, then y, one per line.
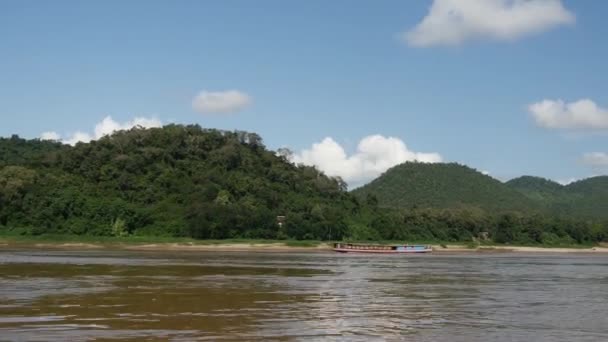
pixel 586 198
pixel 454 186
pixel 537 188
pixel 443 186
pixel 186 181
pixel 551 196
pixel 177 180
pixel 589 197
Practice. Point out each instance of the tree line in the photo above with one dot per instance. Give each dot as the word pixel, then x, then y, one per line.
pixel 187 181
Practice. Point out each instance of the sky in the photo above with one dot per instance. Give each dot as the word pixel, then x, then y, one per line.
pixel 508 87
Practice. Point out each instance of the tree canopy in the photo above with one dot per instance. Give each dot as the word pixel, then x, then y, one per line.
pixel 177 180
pixel 186 181
pixel 438 185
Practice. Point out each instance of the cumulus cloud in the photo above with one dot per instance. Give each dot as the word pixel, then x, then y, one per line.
pixel 453 22
pixel 228 101
pixel 78 137
pixel 374 155
pixel 108 125
pixel 50 136
pixel 596 159
pixel 582 114
pixel 567 181
pixel 105 127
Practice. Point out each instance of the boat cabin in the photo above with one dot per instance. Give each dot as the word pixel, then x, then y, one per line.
pixel 374 248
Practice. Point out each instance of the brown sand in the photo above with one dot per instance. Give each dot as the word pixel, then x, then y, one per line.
pixel 280 247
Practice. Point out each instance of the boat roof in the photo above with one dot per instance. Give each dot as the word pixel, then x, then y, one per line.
pixel 378 244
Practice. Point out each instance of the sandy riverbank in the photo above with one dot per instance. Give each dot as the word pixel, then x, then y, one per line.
pixel 282 247
pixel 518 249
pixel 228 247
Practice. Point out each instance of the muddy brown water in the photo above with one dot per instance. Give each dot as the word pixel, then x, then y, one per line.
pixel 115 295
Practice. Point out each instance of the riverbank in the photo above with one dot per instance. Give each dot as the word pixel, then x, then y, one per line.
pixel 282 247
pixel 518 249
pixel 245 245
pixel 156 243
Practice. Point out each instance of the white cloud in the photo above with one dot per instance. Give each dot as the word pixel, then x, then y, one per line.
pixel 228 101
pixel 50 136
pixel 77 137
pixel 375 154
pixel 452 22
pixel 567 181
pixel 105 127
pixel 108 125
pixel 596 159
pixel 581 114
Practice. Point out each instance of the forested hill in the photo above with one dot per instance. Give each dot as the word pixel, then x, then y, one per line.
pixel 586 198
pixel 454 186
pixel 536 188
pixel 185 181
pixel 440 185
pixel 177 180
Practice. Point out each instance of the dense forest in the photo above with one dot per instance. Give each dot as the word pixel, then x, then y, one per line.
pixel 449 186
pixel 452 186
pixel 587 198
pixel 186 181
pixel 177 181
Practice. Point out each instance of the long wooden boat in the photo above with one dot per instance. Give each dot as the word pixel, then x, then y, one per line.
pixel 344 247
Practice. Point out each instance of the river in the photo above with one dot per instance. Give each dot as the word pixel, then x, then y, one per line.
pixel 118 295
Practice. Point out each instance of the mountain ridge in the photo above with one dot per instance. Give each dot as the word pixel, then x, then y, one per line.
pixel 453 185
pixel 186 181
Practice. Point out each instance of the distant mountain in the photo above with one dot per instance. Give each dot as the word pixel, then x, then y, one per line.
pixel 537 185
pixel 589 197
pixel 538 188
pixel 455 186
pixel 585 198
pixel 444 186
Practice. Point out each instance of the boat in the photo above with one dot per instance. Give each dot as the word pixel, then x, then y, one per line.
pixel 344 247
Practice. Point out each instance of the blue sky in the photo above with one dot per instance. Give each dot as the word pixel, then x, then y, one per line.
pixel 312 70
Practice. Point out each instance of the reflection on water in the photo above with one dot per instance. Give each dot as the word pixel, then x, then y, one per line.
pixel 120 295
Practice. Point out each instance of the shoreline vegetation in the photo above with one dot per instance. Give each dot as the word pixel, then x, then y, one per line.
pixel 256 245
pixel 197 186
